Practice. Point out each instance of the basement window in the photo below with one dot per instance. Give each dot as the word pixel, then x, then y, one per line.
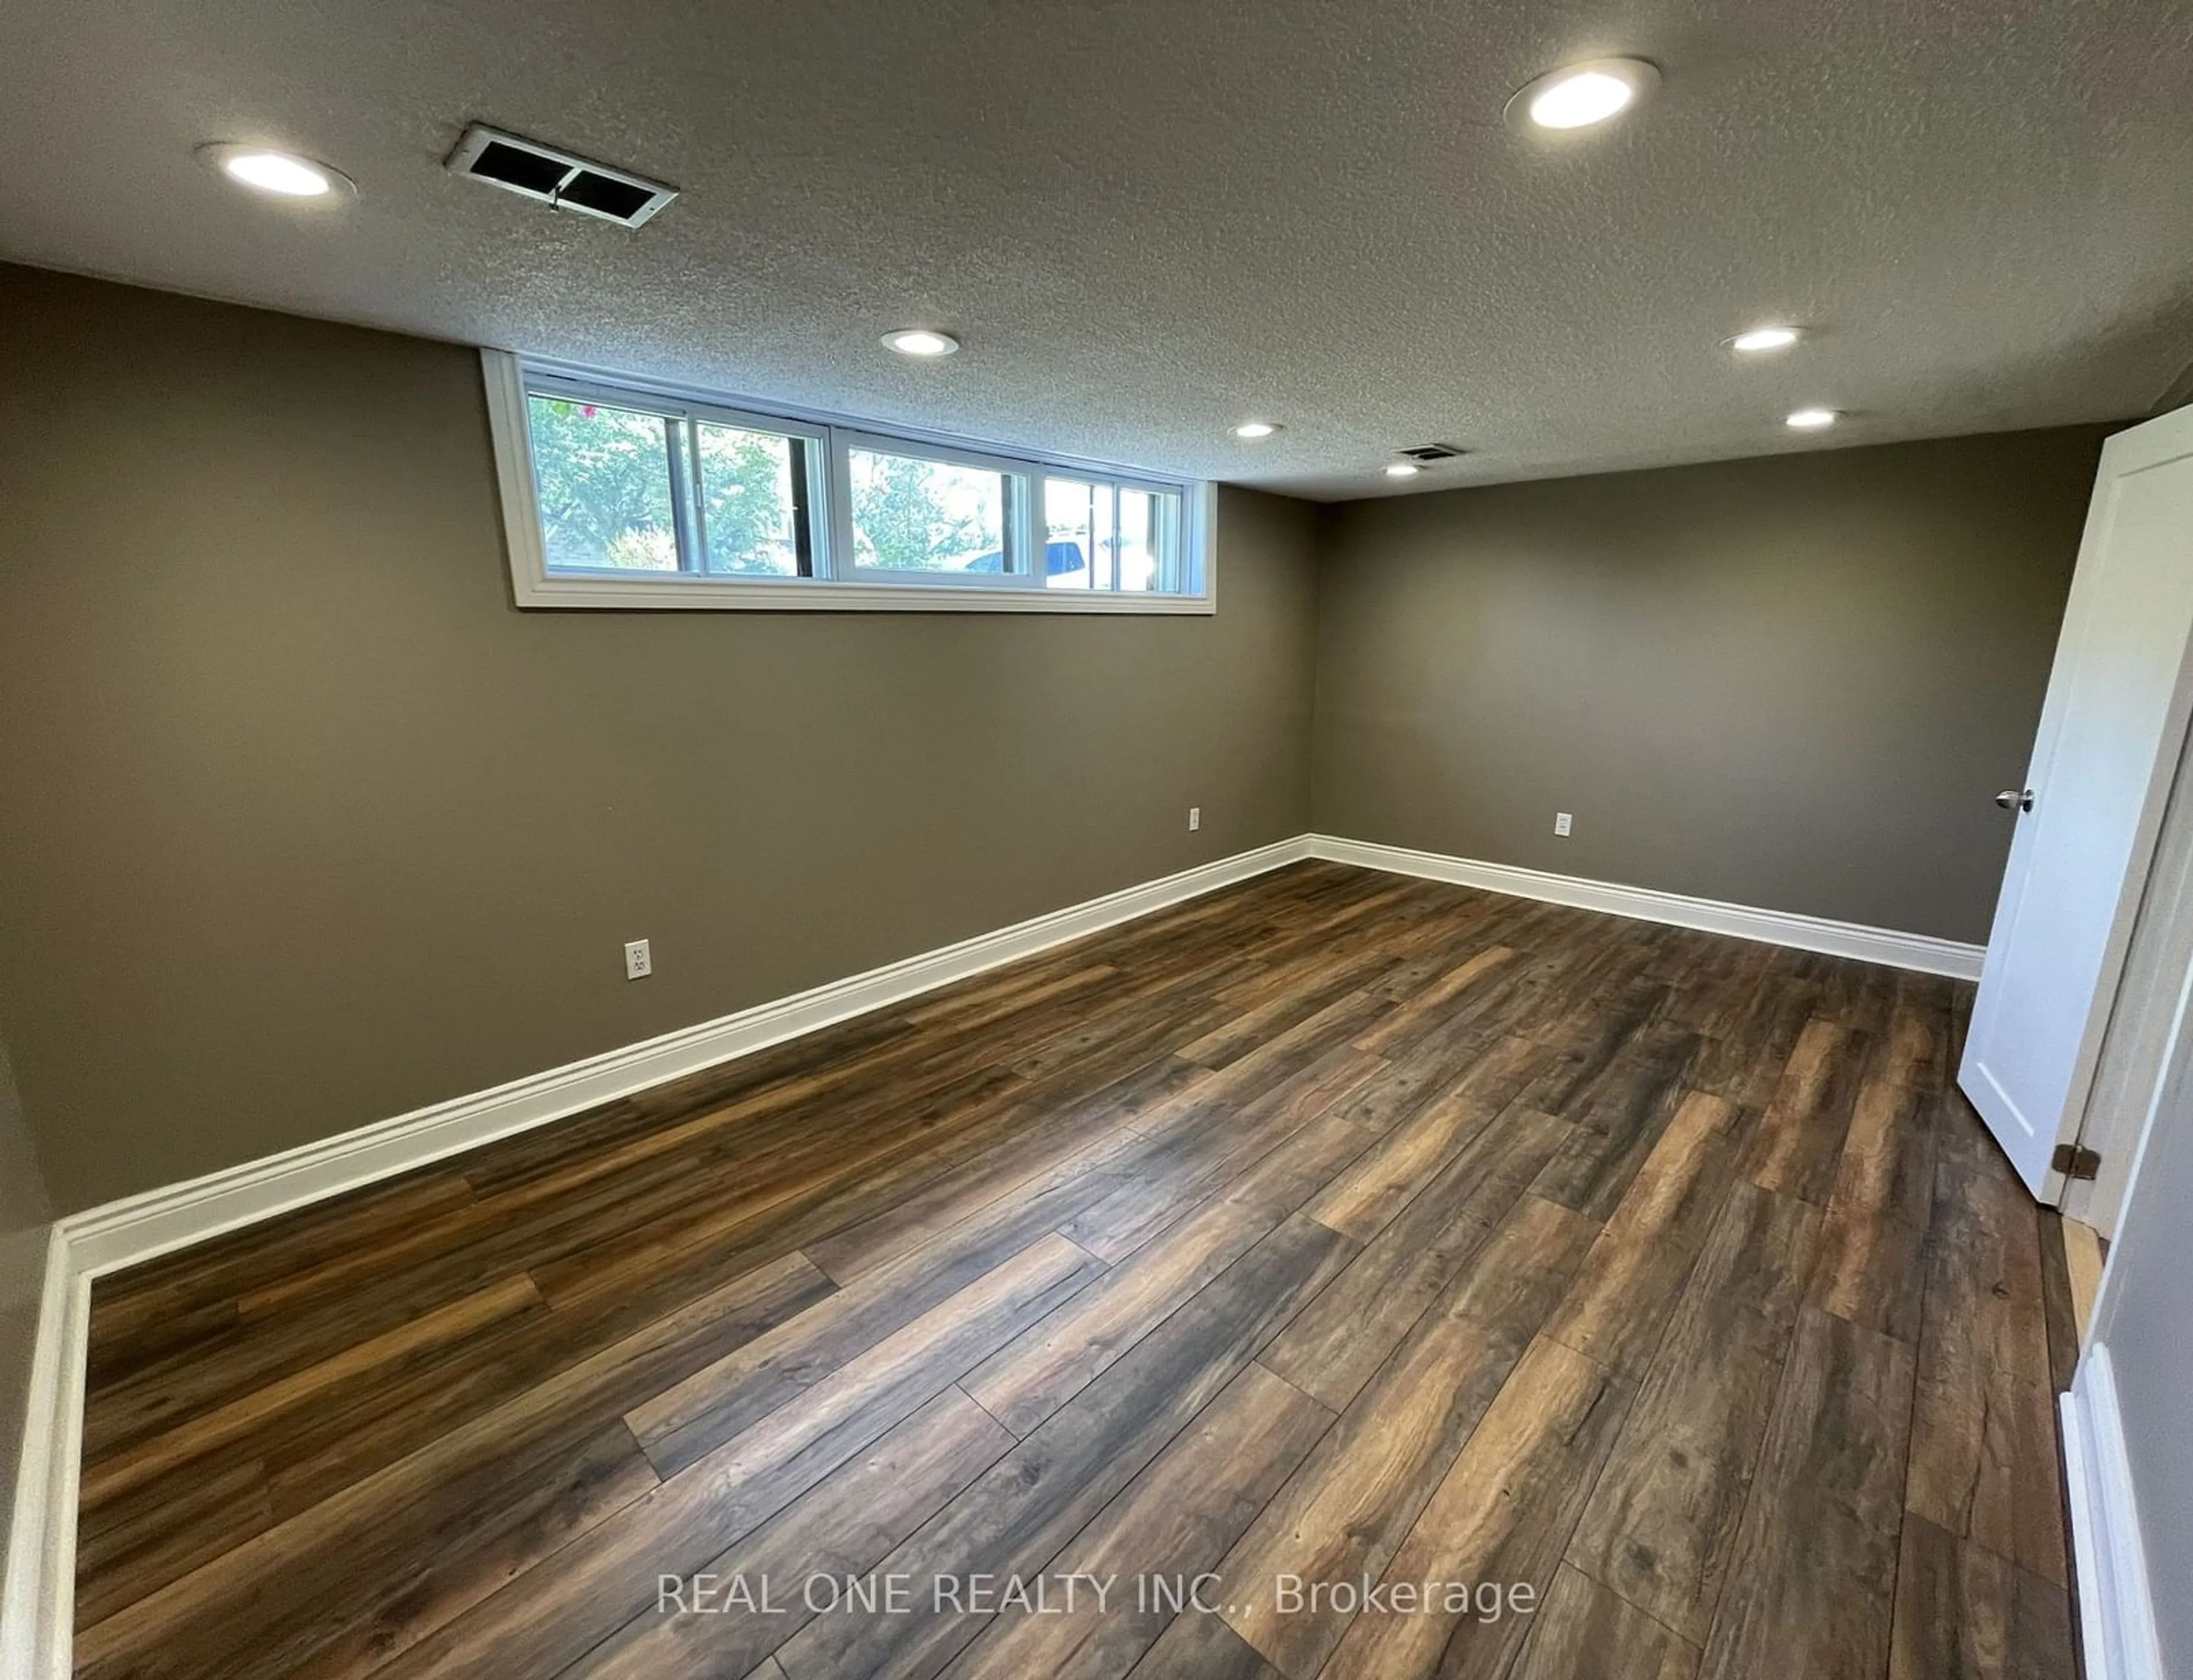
pixel 622 493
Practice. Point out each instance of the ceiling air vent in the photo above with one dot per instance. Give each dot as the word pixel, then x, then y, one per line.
pixel 557 178
pixel 1425 454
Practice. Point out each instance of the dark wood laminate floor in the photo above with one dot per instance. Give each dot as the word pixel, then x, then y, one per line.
pixel 1336 1227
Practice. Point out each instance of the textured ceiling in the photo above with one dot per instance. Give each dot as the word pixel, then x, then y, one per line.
pixel 1151 219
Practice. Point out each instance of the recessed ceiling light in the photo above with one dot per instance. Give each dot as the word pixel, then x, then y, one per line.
pixel 1403 469
pixel 1812 419
pixel 1255 429
pixel 279 174
pixel 1761 341
pixel 920 341
pixel 1579 95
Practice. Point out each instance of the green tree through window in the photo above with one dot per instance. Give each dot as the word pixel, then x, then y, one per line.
pixel 919 516
pixel 746 494
pixel 602 475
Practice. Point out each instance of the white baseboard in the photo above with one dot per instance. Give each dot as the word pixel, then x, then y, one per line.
pixel 1921 951
pixel 37 1586
pixel 40 1581
pixel 2116 1617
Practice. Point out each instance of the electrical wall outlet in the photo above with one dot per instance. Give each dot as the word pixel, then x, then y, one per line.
pixel 638 961
pixel 1194 818
pixel 1561 824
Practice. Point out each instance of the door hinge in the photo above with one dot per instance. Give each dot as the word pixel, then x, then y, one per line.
pixel 2075 1161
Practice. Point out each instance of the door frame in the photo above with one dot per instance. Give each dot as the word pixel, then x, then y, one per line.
pixel 2145 1034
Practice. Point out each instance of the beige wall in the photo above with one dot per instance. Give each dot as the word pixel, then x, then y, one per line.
pixel 306 825
pixel 1793 683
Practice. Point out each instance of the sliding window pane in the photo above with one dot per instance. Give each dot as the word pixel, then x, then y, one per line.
pixel 1150 523
pixel 911 515
pixel 1071 522
pixel 603 477
pixel 1108 536
pixel 751 486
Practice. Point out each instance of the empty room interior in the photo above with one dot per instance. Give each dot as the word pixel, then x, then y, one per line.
pixel 1095 839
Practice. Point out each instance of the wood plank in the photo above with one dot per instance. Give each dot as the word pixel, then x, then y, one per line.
pixel 1872 1268
pixel 2056 1312
pixel 801 1193
pixel 249 1353
pixel 1014 989
pixel 1501 1514
pixel 1400 1089
pixel 1173 1522
pixel 147 1297
pixel 2082 1262
pixel 1315 987
pixel 1099 1103
pixel 586 1359
pixel 282 1602
pixel 1799 1140
pixel 1812 1582
pixel 1433 1005
pixel 1189 1161
pixel 1363 1201
pixel 1582 1631
pixel 728 1615
pixel 543 1619
pixel 712 1404
pixel 682 1425
pixel 1744 1064
pixel 1636 1271
pixel 1662 1523
pixel 1526 1267
pixel 569 1216
pixel 1020 1512
pixel 607 1477
pixel 1593 1027
pixel 164 1340
pixel 209 1512
pixel 1344 1514
pixel 118 1472
pixel 1914 1051
pixel 1964 1614
pixel 1620 1113
pixel 1275 1059
pixel 1854 994
pixel 1202 1647
pixel 1717 983
pixel 591 1136
pixel 1333 1348
pixel 1983 1455
pixel 1037 1158
pixel 1049 1362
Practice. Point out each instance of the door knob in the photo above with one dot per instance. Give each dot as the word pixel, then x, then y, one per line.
pixel 2015 799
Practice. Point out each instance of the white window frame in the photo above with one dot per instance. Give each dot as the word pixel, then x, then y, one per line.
pixel 836 585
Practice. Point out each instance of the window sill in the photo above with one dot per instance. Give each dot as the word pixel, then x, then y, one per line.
pixel 760 595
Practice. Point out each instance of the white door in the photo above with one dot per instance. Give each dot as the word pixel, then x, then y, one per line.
pixel 2111 730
